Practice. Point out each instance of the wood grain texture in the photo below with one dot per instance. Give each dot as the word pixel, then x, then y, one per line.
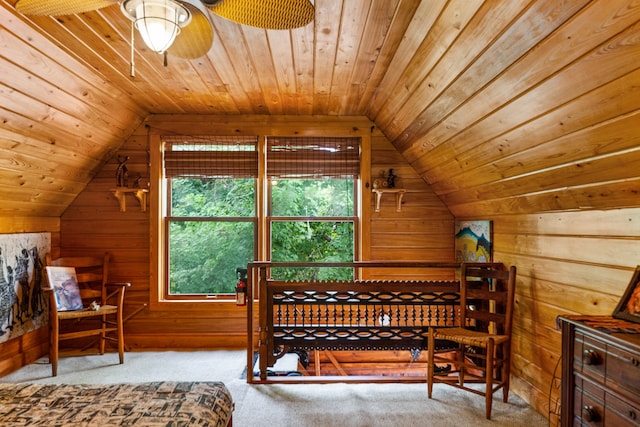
pixel 523 105
pixel 93 224
pixel 522 112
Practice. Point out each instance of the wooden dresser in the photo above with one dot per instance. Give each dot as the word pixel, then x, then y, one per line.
pixel 600 371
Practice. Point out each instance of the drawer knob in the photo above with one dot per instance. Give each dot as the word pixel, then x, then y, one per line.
pixel 635 362
pixel 632 415
pixel 591 357
pixel 589 413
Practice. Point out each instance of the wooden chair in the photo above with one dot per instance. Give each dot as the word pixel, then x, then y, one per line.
pixel 483 353
pixel 92 274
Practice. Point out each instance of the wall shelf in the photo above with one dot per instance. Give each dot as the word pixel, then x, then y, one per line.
pixel 399 192
pixel 139 193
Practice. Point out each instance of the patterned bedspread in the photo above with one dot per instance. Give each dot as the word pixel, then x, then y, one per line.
pixel 142 404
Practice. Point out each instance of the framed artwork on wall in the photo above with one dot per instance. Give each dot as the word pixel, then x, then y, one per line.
pixel 473 241
pixel 24 306
pixel 629 306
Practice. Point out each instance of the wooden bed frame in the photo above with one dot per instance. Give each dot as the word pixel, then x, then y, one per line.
pixel 348 315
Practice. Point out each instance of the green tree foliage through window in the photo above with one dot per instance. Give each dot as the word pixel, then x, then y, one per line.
pixel 312 197
pixel 211 233
pixel 322 232
pixel 204 255
pixel 213 197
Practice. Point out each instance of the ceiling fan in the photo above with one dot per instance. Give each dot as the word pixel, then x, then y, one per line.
pixel 183 27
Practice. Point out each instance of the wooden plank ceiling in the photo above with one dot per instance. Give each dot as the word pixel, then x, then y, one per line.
pixel 502 106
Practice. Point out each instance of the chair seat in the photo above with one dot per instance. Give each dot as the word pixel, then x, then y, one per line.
pixel 468 336
pixel 87 312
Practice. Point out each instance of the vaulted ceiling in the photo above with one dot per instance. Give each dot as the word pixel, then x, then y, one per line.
pixel 501 106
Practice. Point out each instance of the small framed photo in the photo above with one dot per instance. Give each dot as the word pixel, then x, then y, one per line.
pixel 64 282
pixel 629 306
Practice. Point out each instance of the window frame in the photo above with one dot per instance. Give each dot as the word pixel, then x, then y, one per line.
pixel 158 262
pixel 354 219
pixel 313 158
pixel 170 218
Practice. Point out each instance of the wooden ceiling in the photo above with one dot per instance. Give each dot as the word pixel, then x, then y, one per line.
pixel 502 106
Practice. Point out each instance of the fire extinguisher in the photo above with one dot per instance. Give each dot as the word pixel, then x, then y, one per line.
pixel 241 286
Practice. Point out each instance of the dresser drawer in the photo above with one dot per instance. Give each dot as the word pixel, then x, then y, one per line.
pixel 623 370
pixel 589 403
pixel 620 413
pixel 600 372
pixel 590 356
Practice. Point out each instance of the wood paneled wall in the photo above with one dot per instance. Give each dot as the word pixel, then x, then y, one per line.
pixel 568 263
pixel 423 229
pixel 93 224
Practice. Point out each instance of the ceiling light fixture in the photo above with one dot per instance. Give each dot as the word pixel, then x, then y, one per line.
pixel 158 21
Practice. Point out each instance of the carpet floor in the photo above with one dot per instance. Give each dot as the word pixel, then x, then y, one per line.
pixel 340 404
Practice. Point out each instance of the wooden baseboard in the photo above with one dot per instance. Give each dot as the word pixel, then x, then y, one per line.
pixel 23 350
pixel 213 341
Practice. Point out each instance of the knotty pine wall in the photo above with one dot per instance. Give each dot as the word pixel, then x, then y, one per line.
pixel 423 229
pixel 568 263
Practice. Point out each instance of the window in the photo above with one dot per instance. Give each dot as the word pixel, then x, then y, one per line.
pixel 211 213
pixel 312 210
pixel 212 218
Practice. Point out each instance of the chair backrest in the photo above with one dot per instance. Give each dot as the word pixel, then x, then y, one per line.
pixel 92 274
pixel 487 292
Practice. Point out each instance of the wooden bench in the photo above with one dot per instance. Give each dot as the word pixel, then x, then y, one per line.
pixel 349 315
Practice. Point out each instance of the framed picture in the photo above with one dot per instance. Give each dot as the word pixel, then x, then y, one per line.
pixel 629 306
pixel 64 282
pixel 25 306
pixel 473 241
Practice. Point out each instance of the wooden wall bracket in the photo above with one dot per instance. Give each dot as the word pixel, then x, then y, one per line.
pixel 139 193
pixel 399 192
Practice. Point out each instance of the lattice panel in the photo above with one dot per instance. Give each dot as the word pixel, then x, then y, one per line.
pixel 365 320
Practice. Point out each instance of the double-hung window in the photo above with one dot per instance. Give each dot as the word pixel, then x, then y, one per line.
pixel 230 200
pixel 313 211
pixel 210 213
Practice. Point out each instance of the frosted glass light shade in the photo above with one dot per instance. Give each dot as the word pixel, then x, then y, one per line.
pixel 158 21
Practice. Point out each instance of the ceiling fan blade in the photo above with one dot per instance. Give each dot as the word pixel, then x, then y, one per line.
pixel 268 14
pixel 195 39
pixel 60 7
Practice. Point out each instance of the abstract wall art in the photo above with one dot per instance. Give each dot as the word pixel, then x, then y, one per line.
pixel 473 241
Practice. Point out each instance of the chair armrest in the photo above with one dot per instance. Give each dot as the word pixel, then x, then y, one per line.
pixel 116 290
pixel 120 285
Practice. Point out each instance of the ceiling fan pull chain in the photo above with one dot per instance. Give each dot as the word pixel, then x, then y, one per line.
pixel 133 65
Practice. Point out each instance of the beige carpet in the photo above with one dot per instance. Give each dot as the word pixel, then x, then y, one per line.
pixel 345 405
